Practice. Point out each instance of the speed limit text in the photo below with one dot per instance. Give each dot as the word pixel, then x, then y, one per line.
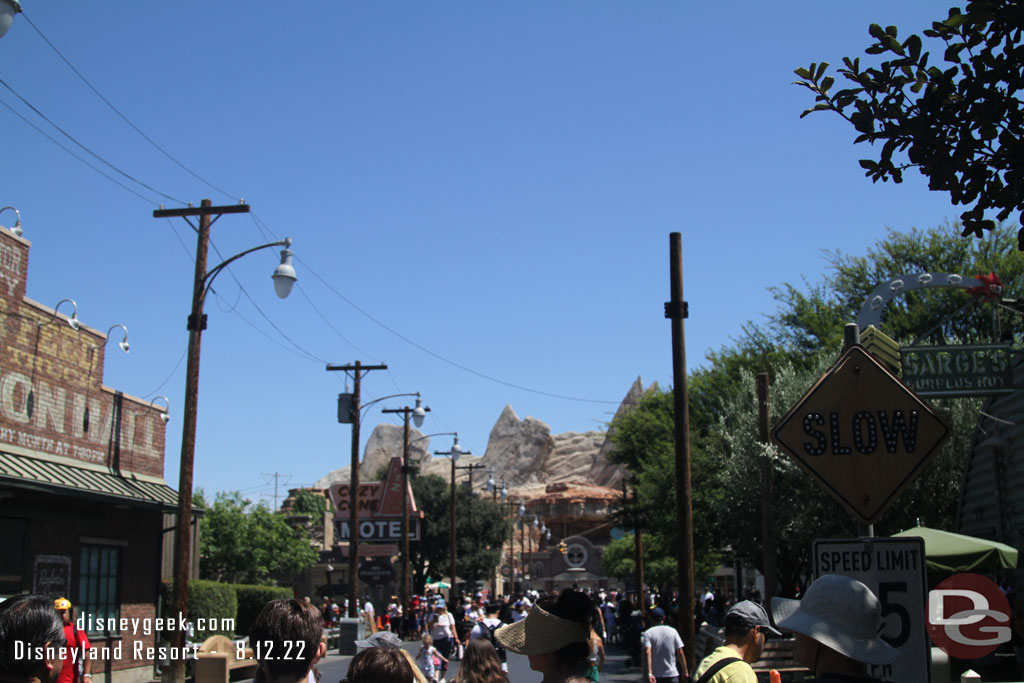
pixel 835 561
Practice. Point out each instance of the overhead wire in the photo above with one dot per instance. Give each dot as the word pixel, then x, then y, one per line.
pixel 84 148
pixel 57 142
pixel 121 115
pixel 261 226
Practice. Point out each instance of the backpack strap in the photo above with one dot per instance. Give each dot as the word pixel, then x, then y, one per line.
pixel 715 668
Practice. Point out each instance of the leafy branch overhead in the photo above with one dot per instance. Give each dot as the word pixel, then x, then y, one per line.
pixel 960 124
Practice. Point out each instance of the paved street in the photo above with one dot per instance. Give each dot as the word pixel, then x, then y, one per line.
pixel 334 667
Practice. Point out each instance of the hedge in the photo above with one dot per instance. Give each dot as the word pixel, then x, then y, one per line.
pixel 251 600
pixel 211 600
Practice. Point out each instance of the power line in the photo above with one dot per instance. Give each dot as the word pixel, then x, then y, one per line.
pixel 84 148
pixel 118 112
pixel 56 142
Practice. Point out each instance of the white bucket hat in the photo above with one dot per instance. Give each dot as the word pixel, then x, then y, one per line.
pixel 840 613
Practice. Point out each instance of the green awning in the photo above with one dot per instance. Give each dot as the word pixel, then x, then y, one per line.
pixel 946 551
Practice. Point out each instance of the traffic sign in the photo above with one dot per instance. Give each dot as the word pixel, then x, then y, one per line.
pixel 861 434
pixel 894 569
pixel 377 571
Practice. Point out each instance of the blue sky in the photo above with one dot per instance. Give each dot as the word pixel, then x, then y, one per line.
pixel 495 182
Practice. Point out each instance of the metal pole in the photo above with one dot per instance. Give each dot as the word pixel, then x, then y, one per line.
pixel 638 550
pixel 353 498
pixel 358 369
pixel 405 508
pixel 452 595
pixel 771 578
pixel 183 534
pixel 676 311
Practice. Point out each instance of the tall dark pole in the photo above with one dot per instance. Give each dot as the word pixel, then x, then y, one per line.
pixel 357 369
pixel 676 311
pixel 406 413
pixel 283 276
pixel 452 594
pixel 771 578
pixel 404 595
pixel 183 535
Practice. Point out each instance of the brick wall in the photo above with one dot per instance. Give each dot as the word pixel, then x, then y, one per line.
pixel 52 397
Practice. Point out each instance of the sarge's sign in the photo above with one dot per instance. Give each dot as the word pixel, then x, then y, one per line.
pixel 861 434
pixel 976 370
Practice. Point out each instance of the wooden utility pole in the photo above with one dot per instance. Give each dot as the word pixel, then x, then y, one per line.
pixel 353 507
pixel 676 311
pixel 771 578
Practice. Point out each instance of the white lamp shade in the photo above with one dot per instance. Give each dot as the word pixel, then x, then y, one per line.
pixel 456 449
pixel 284 274
pixel 418 413
pixel 8 8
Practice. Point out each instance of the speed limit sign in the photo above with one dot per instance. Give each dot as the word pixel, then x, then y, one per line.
pixel 894 570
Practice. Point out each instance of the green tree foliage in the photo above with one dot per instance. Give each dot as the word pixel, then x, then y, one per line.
pixel 795 345
pixel 961 125
pixel 938 315
pixel 478 545
pixel 245 543
pixel 312 504
pixel 644 443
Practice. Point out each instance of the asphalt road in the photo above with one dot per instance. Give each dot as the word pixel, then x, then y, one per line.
pixel 616 670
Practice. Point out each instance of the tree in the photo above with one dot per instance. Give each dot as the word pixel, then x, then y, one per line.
pixel 315 505
pixel 478 545
pixel 245 543
pixel 644 442
pixel 962 126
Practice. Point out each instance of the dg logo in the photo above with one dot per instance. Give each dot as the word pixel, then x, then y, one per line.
pixel 968 616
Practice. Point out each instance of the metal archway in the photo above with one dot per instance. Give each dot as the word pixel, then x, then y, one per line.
pixel 871 312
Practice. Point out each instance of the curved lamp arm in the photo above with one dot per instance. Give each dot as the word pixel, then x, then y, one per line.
pixel 166 415
pixel 124 342
pixel 72 321
pixel 16 229
pixel 284 274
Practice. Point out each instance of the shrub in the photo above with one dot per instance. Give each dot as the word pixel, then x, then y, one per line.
pixel 251 600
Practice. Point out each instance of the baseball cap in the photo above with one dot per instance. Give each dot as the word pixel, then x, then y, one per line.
pixel 658 613
pixel 750 614
pixel 62 603
pixel 379 639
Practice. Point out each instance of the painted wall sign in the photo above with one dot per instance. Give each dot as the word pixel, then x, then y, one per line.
pixel 974 370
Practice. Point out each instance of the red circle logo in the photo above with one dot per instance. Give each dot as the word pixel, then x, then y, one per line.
pixel 968 616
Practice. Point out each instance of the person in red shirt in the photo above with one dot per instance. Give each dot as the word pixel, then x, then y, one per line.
pixel 78 667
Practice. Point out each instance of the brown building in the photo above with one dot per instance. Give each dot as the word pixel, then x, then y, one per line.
pixel 82 495
pixel 578 515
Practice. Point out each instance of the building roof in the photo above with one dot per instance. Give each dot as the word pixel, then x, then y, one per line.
pixel 59 475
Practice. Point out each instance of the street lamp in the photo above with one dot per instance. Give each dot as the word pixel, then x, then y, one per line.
pixel 284 278
pixel 454 454
pixel 8 8
pixel 417 413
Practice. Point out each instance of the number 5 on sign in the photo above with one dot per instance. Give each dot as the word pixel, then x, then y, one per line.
pixel 894 569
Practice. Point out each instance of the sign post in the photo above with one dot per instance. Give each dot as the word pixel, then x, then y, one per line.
pixel 894 569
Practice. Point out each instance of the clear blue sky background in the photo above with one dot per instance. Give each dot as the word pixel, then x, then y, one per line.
pixel 496 182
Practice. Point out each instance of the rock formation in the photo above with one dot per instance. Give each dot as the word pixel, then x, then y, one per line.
pixel 523 452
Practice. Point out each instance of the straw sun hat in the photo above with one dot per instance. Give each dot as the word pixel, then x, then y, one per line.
pixel 540 633
pixel 840 613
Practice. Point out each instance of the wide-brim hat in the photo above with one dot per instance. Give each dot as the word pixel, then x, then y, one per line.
pixel 840 613
pixel 540 633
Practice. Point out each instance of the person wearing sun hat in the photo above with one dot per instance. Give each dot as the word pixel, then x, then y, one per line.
pixel 554 636
pixel 836 625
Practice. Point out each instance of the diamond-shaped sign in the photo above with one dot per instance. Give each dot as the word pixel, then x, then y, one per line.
pixel 861 433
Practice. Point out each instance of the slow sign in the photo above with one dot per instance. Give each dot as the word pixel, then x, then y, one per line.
pixel 861 434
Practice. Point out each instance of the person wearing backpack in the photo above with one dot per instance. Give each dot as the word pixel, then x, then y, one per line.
pixel 486 627
pixel 746 630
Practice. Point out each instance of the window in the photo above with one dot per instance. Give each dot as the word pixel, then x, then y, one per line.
pixel 99 586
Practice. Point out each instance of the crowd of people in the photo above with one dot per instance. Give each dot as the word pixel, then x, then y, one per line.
pixel 836 625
